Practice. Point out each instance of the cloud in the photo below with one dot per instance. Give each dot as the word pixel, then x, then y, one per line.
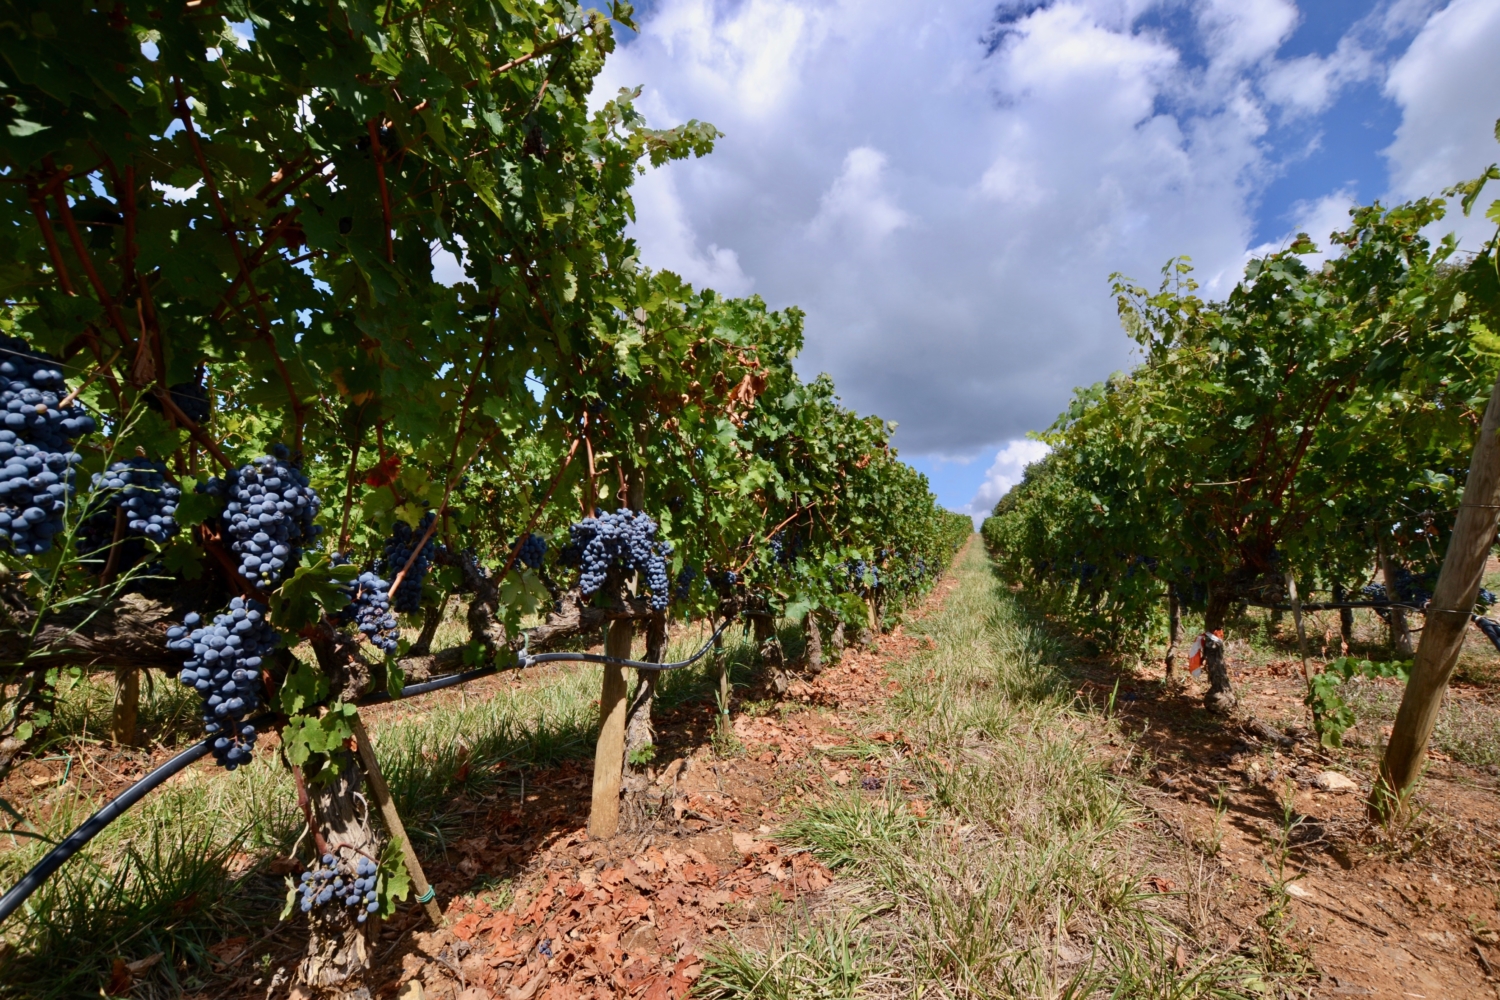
pixel 1308 85
pixel 1241 32
pixel 858 202
pixel 662 225
pixel 1004 472
pixel 1317 218
pixel 1448 87
pixel 945 189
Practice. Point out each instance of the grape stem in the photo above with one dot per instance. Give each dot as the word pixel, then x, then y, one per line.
pixel 458 436
pixel 191 426
pixel 110 309
pixel 99 369
pixel 44 223
pixel 114 546
pixel 304 802
pixel 378 152
pixel 441 512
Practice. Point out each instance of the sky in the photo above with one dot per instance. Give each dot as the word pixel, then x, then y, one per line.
pixel 944 187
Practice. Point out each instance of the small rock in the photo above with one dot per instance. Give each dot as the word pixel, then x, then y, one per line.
pixel 411 991
pixel 1293 889
pixel 1332 781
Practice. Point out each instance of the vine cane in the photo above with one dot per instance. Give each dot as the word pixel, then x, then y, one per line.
pixel 382 791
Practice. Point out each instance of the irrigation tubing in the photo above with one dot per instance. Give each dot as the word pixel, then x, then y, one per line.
pixel 116 807
pixel 112 811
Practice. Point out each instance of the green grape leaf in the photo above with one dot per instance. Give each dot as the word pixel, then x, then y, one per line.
pixel 394 884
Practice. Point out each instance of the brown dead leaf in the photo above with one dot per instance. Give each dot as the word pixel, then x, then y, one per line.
pixel 529 990
pixel 119 978
pixel 1160 884
pixel 1181 957
pixel 918 808
pixel 465 928
pixel 230 951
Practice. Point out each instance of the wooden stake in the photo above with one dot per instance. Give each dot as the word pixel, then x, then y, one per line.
pixel 1291 589
pixel 127 706
pixel 1174 629
pixel 609 754
pixel 724 690
pixel 1447 618
pixel 393 824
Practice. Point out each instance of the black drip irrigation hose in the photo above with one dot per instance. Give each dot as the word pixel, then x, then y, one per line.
pixel 116 807
pixel 112 811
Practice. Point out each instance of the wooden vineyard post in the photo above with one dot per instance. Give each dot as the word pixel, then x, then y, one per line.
pixel 1291 590
pixel 1400 630
pixel 1174 629
pixel 609 754
pixel 393 824
pixel 1448 616
pixel 127 707
pixel 723 663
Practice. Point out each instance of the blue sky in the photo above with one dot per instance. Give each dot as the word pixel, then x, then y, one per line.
pixel 944 187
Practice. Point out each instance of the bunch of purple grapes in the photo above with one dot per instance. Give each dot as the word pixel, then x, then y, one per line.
pixel 331 878
pixel 268 513
pixel 370 610
pixel 223 664
pixel 625 541
pixel 398 550
pixel 36 456
pixel 533 551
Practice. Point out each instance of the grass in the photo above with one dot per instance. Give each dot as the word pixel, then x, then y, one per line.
pixel 188 867
pixel 1019 873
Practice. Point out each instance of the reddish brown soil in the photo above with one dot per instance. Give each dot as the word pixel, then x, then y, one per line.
pixel 1408 912
pixel 568 917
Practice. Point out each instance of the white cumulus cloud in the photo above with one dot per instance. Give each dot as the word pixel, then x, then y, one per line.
pixel 1004 472
pixel 1448 86
pixel 945 187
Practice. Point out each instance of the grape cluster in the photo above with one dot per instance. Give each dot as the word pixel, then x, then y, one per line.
pixel 685 577
pixel 191 398
pixel 397 550
pixel 269 513
pixel 624 540
pixel 861 571
pixel 331 878
pixel 533 550
pixel 36 458
pixel 140 487
pixel 370 610
pixel 223 664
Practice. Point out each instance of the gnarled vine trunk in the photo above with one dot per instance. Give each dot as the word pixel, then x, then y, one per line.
pixel 642 799
pixel 338 948
pixel 1220 698
pixel 814 654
